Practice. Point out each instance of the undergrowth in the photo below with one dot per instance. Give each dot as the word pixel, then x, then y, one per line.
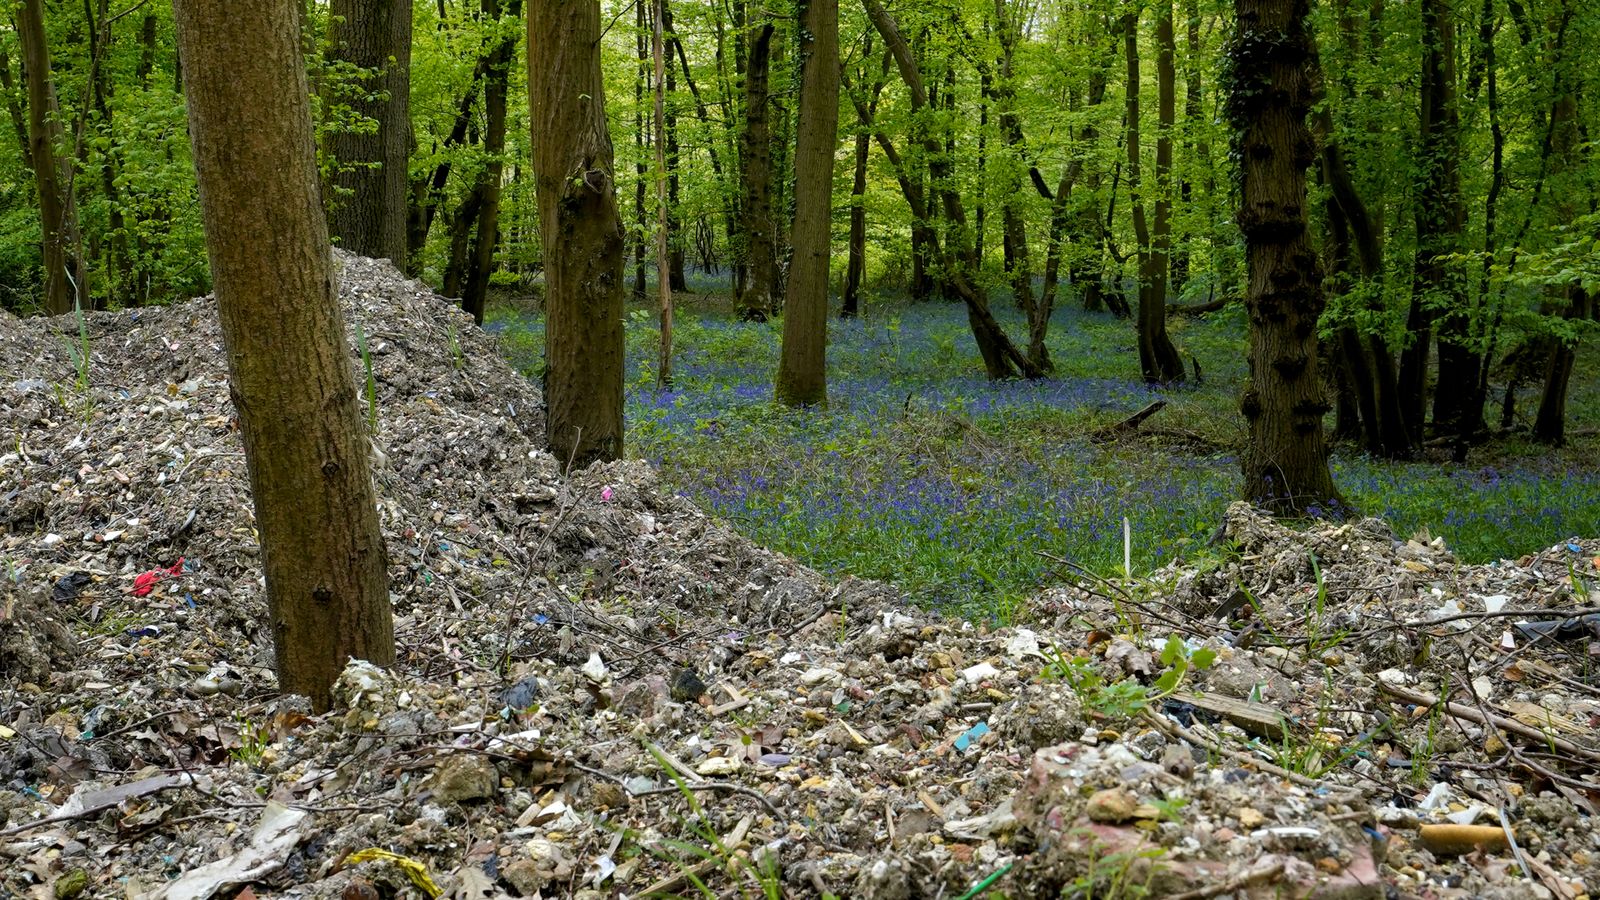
pixel 922 473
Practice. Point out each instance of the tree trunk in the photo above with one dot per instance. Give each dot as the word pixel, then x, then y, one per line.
pixel 802 366
pixel 1014 233
pixel 289 366
pixel 1001 358
pixel 1441 219
pixel 1158 358
pixel 52 166
pixel 856 265
pixel 664 227
pixel 1550 426
pixel 370 217
pixel 496 90
pixel 1273 75
pixel 675 275
pixel 579 229
pixel 641 165
pixel 760 291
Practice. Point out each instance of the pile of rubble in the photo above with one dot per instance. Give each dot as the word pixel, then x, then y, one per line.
pixel 602 692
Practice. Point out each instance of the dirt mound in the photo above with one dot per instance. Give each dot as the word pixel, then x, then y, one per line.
pixel 601 691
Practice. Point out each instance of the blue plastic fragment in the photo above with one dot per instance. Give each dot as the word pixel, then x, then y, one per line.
pixel 972 735
pixel 1575 548
pixel 143 631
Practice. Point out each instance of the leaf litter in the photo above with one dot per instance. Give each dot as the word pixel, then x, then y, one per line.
pixel 603 692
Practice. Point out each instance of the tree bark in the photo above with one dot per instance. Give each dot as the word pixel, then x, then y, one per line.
pixel 664 227
pixel 1014 229
pixel 1441 219
pixel 759 298
pixel 370 219
pixel 1272 89
pixel 1158 358
pixel 802 365
pixel 496 93
pixel 52 167
pixel 289 363
pixel 580 230
pixel 856 263
pixel 641 165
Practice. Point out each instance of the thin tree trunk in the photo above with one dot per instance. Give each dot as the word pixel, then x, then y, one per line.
pixel 760 291
pixel 580 231
pixel 856 265
pixel 674 225
pixel 664 230
pixel 496 91
pixel 47 148
pixel 641 165
pixel 1441 220
pixel 802 365
pixel 1158 358
pixel 1014 229
pixel 322 550
pixel 1273 71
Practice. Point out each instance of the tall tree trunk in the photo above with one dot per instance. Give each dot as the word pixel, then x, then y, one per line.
pixel 665 231
pixel 980 213
pixel 760 291
pixel 1273 75
pixel 641 165
pixel 674 224
pixel 52 167
pixel 802 365
pixel 856 264
pixel 293 386
pixel 496 90
pixel 1084 233
pixel 147 50
pixel 1158 358
pixel 370 219
pixel 729 199
pixel 580 230
pixel 1441 219
pixel 1014 229
pixel 116 246
pixel 1565 151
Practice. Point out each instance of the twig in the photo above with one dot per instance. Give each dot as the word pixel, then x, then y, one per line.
pixel 1247 879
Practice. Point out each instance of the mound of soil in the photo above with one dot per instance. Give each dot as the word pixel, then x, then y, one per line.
pixel 603 692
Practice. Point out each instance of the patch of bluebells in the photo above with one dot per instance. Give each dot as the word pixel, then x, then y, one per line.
pixel 922 472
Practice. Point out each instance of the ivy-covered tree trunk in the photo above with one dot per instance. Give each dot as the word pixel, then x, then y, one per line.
pixel 1271 89
pixel 759 297
pixel 289 364
pixel 580 230
pixel 369 215
pixel 802 365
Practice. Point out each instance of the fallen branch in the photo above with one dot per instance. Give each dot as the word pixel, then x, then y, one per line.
pixel 1462 711
pixel 1129 424
pixel 1248 879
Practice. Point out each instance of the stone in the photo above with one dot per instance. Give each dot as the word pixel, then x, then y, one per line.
pixel 1112 806
pixel 464 777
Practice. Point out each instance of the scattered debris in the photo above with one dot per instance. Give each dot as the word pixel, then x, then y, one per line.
pixel 601 691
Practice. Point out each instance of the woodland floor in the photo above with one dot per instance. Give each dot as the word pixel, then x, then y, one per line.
pixel 923 474
pixel 604 692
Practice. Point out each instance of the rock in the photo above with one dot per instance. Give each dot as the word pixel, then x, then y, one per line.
pixel 1112 807
pixel 521 695
pixel 463 777
pixel 687 686
pixel 718 765
pixel 644 698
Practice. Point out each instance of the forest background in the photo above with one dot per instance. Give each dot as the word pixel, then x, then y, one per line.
pixel 1454 208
